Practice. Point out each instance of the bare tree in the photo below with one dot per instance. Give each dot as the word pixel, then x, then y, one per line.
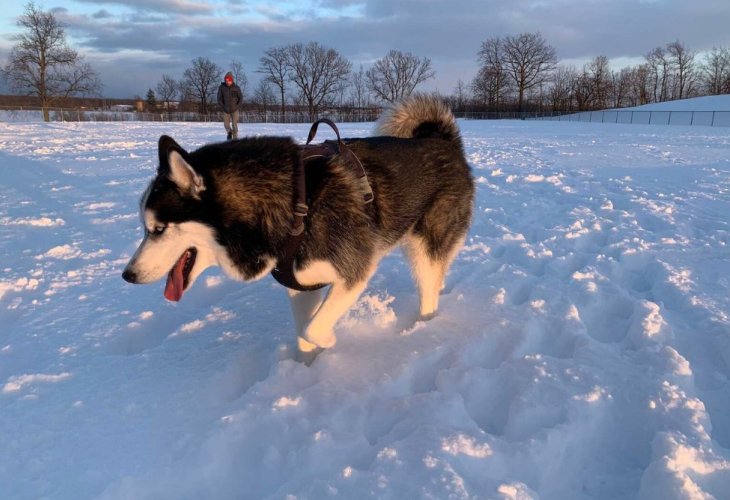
pixel 491 83
pixel 640 89
pixel 560 93
pixel 685 73
pixel 42 64
pixel 716 71
pixel 239 76
pixel 599 77
pixel 167 89
pixel 460 96
pixel 188 101
pixel 528 60
pixel 489 87
pixel 659 70
pixel 318 72
pixel 396 75
pixel 338 95
pixel 620 88
pixel 358 88
pixel 275 66
pixel 264 96
pixel 583 90
pixel 201 81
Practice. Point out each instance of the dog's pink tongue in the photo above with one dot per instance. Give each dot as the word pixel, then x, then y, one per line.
pixel 175 280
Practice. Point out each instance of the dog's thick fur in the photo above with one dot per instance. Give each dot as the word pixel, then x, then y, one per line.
pixel 230 204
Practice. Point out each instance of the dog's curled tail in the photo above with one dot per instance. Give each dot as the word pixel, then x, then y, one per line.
pixel 419 116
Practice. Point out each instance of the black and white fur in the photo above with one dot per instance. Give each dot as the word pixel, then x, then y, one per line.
pixel 230 205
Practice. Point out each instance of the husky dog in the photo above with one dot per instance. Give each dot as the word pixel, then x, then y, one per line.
pixel 231 205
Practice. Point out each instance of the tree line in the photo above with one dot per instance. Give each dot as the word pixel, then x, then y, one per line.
pixel 522 72
pixel 308 76
pixel 514 73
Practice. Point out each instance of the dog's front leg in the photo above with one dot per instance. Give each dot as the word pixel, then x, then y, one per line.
pixel 319 333
pixel 304 305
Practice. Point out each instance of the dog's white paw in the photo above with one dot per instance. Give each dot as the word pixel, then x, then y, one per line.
pixel 322 339
pixel 306 351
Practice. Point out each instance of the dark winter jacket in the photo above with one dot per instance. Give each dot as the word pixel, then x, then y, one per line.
pixel 229 98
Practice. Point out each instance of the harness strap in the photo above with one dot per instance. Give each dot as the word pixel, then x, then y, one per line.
pixel 349 157
pixel 284 270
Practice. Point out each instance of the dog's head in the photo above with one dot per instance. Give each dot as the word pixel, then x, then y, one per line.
pixel 177 241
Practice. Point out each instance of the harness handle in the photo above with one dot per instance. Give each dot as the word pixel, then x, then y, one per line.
pixel 349 156
pixel 327 121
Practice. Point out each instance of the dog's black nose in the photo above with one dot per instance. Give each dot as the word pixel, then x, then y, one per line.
pixel 129 276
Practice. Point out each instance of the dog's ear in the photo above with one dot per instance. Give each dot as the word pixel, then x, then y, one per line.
pixel 164 146
pixel 174 165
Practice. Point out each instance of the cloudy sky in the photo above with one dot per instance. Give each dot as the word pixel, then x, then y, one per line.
pixel 131 43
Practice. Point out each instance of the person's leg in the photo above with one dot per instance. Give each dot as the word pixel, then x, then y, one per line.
pixel 227 124
pixel 234 124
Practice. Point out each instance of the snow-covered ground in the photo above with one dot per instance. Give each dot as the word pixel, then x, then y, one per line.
pixel 582 348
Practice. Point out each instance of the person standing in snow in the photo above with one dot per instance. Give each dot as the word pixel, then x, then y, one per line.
pixel 229 99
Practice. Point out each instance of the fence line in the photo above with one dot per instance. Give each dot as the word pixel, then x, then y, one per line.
pixel 504 115
pixel 704 118
pixel 29 114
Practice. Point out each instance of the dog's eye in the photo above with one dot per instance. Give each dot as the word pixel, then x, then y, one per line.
pixel 158 230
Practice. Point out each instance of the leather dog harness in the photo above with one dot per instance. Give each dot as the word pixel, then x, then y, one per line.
pixel 283 272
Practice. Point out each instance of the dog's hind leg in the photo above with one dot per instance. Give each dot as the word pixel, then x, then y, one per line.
pixel 429 272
